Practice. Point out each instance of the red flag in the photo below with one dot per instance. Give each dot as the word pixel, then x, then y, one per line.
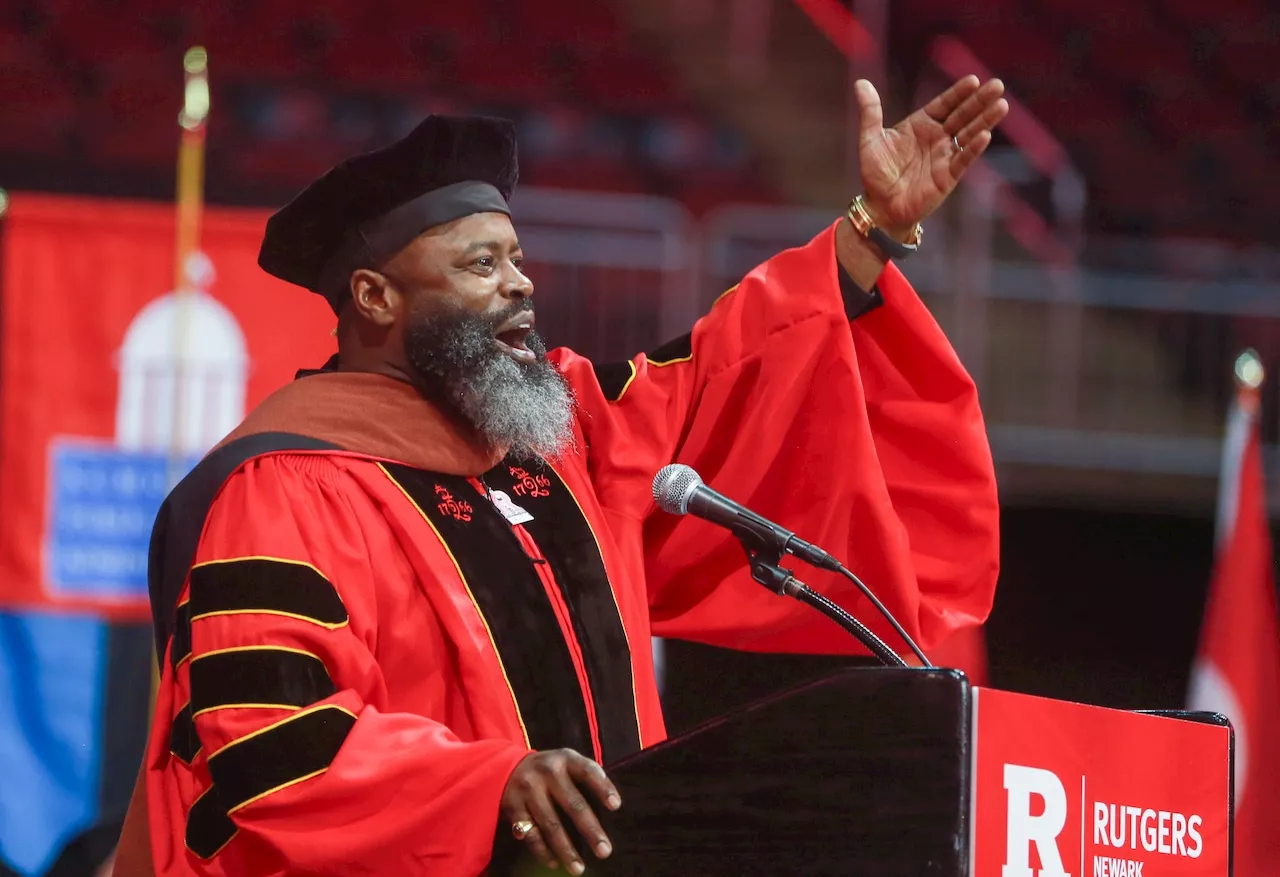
pixel 1237 669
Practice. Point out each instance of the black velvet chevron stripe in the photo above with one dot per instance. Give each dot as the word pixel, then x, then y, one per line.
pixel 675 350
pixel 183 742
pixel 264 762
pixel 259 676
pixel 209 828
pixel 613 378
pixel 265 585
pixel 285 753
pixel 181 640
pixel 563 534
pixel 510 595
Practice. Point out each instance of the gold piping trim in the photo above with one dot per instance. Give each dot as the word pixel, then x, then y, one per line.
pixel 274 725
pixel 627 385
pixel 259 649
pixel 245 706
pixel 279 788
pixel 498 655
pixel 723 294
pixel 280 613
pixel 248 557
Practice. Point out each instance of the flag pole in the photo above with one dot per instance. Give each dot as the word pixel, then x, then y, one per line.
pixel 1248 375
pixel 189 212
pixel 190 198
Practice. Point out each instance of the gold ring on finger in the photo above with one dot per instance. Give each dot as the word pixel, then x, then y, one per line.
pixel 520 830
pixel 955 142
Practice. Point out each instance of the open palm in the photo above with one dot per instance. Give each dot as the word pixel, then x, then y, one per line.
pixel 909 170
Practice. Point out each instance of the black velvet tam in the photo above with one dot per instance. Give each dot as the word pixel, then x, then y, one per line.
pixel 369 207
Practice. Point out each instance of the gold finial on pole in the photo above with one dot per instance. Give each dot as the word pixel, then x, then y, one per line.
pixel 195 105
pixel 1248 370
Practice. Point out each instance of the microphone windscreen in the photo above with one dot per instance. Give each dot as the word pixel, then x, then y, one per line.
pixel 672 487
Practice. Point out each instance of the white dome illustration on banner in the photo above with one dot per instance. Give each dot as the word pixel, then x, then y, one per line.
pixel 183 367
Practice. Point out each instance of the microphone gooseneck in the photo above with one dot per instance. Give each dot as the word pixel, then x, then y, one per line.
pixel 782 582
pixel 679 490
pixel 875 601
pixel 861 632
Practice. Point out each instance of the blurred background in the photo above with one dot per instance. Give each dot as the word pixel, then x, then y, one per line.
pixel 1099 272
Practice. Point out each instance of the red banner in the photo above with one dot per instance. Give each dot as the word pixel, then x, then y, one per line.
pixel 1066 790
pixel 112 385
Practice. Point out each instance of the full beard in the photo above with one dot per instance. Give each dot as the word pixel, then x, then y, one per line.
pixel 527 408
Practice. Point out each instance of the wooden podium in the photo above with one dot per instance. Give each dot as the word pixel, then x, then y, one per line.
pixel 915 772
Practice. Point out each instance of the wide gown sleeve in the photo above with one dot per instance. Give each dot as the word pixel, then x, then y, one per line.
pixel 288 764
pixel 857 428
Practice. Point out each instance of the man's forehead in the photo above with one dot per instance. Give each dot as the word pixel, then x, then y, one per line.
pixel 473 230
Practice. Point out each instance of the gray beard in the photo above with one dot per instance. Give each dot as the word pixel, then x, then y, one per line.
pixel 525 408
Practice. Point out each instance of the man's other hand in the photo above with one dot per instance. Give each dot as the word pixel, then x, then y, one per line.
pixel 546 784
pixel 910 169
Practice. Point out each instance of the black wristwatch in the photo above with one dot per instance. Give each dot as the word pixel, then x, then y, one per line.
pixel 864 225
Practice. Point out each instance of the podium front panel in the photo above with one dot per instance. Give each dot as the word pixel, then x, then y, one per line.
pixel 1067 789
pixel 865 773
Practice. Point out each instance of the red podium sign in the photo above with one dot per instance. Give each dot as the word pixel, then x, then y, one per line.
pixel 1066 790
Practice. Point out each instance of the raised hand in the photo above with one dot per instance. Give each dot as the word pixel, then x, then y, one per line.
pixel 910 169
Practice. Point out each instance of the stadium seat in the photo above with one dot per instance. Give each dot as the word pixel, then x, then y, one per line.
pixel 295 87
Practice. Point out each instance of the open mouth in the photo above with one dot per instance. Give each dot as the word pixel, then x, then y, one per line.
pixel 513 336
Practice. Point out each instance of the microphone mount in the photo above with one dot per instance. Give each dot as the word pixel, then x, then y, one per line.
pixel 766 569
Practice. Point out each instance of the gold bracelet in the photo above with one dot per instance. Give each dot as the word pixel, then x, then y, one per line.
pixel 864 225
pixel 859 217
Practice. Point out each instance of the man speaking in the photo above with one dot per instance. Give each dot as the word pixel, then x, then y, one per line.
pixel 408 602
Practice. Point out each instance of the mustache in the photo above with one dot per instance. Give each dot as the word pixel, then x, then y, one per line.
pixel 515 309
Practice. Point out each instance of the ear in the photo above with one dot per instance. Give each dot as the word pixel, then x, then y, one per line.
pixel 374 298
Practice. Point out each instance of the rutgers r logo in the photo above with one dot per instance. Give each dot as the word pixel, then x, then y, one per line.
pixel 1041 830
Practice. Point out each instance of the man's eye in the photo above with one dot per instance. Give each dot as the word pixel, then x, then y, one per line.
pixel 518 261
pixel 485 262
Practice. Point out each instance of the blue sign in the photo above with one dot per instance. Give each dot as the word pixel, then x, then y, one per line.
pixel 52 697
pixel 102 504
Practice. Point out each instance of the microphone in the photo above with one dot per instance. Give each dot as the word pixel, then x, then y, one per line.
pixel 679 490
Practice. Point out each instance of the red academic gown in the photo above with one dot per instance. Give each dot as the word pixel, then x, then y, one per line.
pixel 365 647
